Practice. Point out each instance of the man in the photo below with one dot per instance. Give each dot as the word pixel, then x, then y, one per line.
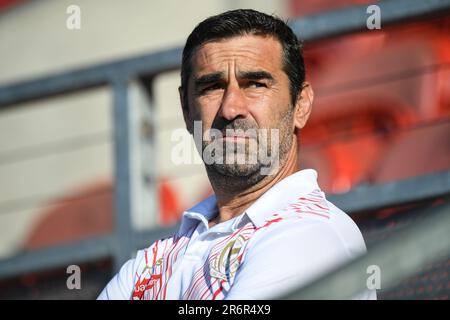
pixel 268 229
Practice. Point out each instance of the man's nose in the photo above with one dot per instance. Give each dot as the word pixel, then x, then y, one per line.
pixel 233 104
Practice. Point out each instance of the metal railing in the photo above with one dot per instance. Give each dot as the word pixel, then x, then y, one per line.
pixel 396 258
pixel 121 74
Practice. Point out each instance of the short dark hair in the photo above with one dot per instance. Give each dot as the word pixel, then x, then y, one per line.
pixel 247 22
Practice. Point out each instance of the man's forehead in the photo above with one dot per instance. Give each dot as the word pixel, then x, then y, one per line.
pixel 244 53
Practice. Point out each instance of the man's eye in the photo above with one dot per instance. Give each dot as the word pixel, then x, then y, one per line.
pixel 212 87
pixel 255 84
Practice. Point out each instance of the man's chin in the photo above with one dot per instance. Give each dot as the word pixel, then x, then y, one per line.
pixel 247 172
pixel 236 170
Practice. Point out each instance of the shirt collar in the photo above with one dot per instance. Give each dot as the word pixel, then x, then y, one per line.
pixel 283 193
pixel 202 211
pixel 276 198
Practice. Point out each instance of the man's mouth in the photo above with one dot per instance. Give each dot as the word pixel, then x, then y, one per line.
pixel 236 138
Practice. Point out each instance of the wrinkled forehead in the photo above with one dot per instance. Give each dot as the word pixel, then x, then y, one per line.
pixel 240 53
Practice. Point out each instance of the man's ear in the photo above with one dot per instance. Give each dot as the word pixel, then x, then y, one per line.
pixel 186 114
pixel 303 106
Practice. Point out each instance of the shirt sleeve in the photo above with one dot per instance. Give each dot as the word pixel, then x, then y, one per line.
pixel 122 284
pixel 286 258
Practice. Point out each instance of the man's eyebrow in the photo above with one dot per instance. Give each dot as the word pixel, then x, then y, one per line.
pixel 208 78
pixel 217 76
pixel 255 75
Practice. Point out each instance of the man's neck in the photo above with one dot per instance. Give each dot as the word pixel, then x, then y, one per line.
pixel 233 199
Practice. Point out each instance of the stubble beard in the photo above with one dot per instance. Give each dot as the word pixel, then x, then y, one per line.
pixel 243 175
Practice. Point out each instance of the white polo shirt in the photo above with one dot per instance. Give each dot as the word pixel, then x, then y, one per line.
pixel 287 238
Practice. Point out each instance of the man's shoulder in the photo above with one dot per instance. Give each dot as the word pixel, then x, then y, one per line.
pixel 309 218
pixel 313 207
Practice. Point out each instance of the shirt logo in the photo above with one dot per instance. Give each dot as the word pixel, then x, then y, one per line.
pixel 152 269
pixel 226 262
pixel 147 280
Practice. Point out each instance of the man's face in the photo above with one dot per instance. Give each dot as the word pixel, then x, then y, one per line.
pixel 239 83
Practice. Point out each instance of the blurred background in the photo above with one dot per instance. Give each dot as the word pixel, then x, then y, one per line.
pixel 86 171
